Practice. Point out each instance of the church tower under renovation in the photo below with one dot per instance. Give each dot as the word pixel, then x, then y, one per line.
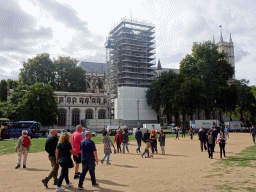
pixel 131 62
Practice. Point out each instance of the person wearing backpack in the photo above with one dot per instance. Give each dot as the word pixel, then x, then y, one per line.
pixel 253 131
pixel 23 147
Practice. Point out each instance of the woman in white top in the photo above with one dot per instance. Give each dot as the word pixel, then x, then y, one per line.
pixel 222 142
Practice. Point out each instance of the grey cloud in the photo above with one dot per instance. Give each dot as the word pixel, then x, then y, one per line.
pixel 239 54
pixel 17 28
pixel 64 14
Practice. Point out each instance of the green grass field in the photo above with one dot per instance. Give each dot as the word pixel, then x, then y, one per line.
pixel 8 146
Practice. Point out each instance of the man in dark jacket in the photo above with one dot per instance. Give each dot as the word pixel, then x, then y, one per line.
pixel 138 136
pixel 202 138
pixel 50 147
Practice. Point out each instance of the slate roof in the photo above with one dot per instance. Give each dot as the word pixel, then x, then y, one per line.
pixel 93 67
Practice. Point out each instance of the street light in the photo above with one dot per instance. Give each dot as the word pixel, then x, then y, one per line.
pixel 138 108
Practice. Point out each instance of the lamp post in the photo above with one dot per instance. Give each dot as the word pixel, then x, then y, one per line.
pixel 68 117
pixel 138 108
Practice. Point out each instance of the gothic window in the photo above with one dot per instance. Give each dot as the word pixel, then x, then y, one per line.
pixel 75 117
pixel 69 100
pixel 86 100
pixel 101 114
pixel 81 100
pixel 104 101
pixel 89 114
pixel 62 119
pixel 98 101
pixel 93 100
pixel 61 99
pixel 73 100
pixel 100 84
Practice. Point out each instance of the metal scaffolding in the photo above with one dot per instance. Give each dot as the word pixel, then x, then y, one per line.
pixel 130 55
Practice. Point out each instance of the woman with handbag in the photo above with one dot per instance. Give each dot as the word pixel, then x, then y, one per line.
pixel 107 147
pixel 63 157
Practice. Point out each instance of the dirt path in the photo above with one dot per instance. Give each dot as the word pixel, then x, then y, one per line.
pixel 183 168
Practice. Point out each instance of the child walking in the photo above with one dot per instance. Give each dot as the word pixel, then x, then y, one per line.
pixel 118 141
pixel 107 148
pixel 148 145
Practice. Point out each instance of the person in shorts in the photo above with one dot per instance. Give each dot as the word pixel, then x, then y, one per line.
pixel 76 139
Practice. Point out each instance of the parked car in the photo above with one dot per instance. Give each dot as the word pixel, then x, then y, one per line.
pixel 60 131
pixel 112 132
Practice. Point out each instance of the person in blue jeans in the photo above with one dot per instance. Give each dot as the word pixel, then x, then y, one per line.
pixel 63 157
pixel 138 136
pixel 107 147
pixel 89 158
pixel 125 140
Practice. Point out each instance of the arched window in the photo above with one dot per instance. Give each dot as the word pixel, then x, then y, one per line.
pixel 61 99
pixel 81 100
pixel 73 100
pixel 98 101
pixel 69 100
pixel 100 84
pixel 88 114
pixel 101 114
pixel 62 119
pixel 104 101
pixel 86 100
pixel 93 100
pixel 75 117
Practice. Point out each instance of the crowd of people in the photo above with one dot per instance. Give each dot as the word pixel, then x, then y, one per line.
pixel 83 149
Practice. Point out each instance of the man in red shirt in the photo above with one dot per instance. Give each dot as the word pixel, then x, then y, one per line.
pixel 76 139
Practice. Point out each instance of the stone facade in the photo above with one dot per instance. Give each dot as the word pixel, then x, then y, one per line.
pixel 77 107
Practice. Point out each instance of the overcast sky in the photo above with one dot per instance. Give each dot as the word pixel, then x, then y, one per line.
pixel 79 28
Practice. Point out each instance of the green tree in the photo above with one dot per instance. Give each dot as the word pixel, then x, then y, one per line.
pixel 39 69
pixel 69 76
pixel 175 93
pixel 35 102
pixel 208 65
pixel 3 90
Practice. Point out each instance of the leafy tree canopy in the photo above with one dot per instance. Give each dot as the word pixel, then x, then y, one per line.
pixel 32 103
pixel 208 65
pixel 62 74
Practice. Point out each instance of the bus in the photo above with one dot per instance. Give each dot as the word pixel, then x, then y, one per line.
pixel 32 127
pixel 4 125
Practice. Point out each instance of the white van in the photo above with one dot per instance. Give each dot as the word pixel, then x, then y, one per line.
pixel 60 131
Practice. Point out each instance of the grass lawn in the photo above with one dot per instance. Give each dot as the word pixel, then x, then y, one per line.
pixel 8 146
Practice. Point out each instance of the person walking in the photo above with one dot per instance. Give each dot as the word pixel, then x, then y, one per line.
pixel 191 132
pixel 138 136
pixel 210 144
pixel 23 146
pixel 89 158
pixel 76 139
pixel 226 131
pixel 153 141
pixel 148 145
pixel 177 133
pixel 63 158
pixel 183 130
pixel 125 140
pixel 202 138
pixel 50 148
pixel 252 132
pixel 162 141
pixel 222 142
pixel 146 136
pixel 83 132
pixel 107 147
pixel 118 141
